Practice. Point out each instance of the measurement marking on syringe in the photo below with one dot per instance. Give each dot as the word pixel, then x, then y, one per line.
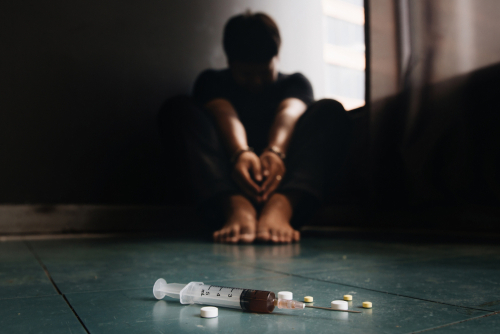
pixel 225 287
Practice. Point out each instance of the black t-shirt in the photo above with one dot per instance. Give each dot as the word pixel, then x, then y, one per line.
pixel 256 111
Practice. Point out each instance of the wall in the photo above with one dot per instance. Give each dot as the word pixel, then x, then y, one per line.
pixel 82 81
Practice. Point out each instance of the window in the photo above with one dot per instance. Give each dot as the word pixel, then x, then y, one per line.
pixel 344 51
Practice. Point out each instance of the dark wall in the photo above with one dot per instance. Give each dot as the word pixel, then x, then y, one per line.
pixel 82 81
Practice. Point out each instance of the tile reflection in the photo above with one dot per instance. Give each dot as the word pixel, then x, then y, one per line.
pixel 339 315
pixel 160 310
pixel 253 253
pixel 211 323
pixel 288 322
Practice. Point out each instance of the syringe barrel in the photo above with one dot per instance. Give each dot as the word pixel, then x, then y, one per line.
pixel 257 301
pixel 245 299
pixel 199 293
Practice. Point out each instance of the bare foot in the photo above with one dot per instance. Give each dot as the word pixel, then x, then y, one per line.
pixel 274 222
pixel 241 220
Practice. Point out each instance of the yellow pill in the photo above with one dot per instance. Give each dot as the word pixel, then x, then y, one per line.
pixel 367 304
pixel 308 299
pixel 347 297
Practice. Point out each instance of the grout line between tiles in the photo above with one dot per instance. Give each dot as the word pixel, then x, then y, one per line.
pixel 457 322
pixel 28 245
pixel 386 292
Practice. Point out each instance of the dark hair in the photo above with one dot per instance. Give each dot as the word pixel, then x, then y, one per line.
pixel 251 38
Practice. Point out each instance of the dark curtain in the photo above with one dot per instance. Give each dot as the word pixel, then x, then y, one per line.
pixel 435 120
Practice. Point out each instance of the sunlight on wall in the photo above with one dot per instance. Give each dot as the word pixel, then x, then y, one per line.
pixel 344 51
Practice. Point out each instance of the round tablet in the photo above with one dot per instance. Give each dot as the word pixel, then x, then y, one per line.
pixel 308 299
pixel 339 305
pixel 285 295
pixel 209 312
pixel 367 304
pixel 347 297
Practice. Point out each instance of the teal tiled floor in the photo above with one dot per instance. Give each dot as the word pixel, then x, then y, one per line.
pixel 105 285
pixel 480 325
pixel 21 274
pixel 38 315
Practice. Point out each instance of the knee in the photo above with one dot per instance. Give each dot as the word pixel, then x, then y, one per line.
pixel 329 104
pixel 330 111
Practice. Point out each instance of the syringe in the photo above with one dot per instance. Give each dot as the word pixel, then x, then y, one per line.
pixel 215 295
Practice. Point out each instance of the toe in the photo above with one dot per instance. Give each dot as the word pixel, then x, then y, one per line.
pixel 263 235
pixel 247 238
pixel 222 235
pixel 286 237
pixel 247 234
pixel 296 236
pixel 282 237
pixel 233 235
pixel 275 236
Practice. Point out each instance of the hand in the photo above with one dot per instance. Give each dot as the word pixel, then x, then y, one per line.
pixel 273 170
pixel 247 170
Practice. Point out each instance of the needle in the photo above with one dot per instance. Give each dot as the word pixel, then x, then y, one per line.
pixel 332 309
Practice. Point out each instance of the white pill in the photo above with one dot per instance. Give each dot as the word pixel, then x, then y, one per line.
pixel 339 305
pixel 209 312
pixel 285 295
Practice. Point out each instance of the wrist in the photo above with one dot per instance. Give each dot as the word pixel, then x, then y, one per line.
pixel 276 150
pixel 239 152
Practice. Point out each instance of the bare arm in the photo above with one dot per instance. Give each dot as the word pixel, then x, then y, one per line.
pixel 289 112
pixel 247 168
pixel 229 125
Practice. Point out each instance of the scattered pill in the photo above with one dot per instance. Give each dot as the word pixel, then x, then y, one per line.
pixel 339 305
pixel 367 304
pixel 308 299
pixel 347 297
pixel 209 312
pixel 285 295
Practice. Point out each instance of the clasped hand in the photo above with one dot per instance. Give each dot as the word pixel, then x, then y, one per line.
pixel 258 177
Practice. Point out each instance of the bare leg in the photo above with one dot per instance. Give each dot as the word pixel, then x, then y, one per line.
pixel 241 221
pixel 274 222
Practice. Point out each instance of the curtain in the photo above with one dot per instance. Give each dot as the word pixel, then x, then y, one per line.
pixel 435 121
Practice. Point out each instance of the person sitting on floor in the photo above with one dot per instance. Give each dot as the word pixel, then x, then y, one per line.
pixel 257 145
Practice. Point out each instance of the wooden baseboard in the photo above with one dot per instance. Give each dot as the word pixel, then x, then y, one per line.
pixel 47 219
pixel 183 220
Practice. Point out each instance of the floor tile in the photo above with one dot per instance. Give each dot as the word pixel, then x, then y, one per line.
pixel 20 273
pixel 39 315
pixel 108 264
pixel 488 324
pixel 467 281
pixel 109 282
pixel 316 255
pixel 136 311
